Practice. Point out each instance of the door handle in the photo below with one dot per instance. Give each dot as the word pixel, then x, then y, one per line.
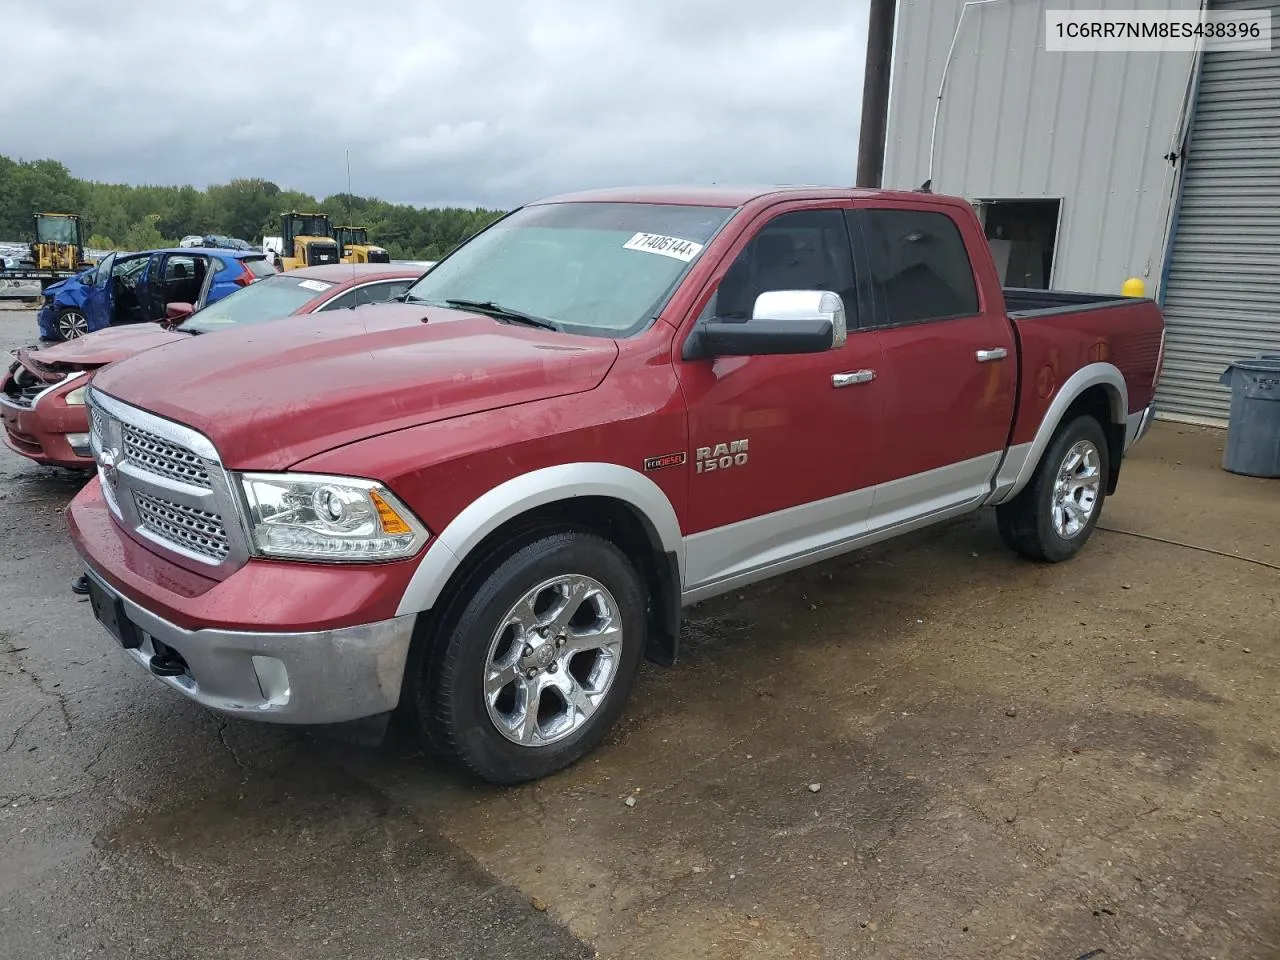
pixel 849 379
pixel 986 356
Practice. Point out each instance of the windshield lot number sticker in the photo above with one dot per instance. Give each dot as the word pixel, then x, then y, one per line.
pixel 672 247
pixel 315 285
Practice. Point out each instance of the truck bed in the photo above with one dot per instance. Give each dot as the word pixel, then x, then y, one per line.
pixel 1024 302
pixel 1059 332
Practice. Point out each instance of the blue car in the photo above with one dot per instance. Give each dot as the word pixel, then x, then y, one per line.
pixel 138 287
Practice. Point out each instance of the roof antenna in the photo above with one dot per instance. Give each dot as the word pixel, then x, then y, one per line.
pixel 350 195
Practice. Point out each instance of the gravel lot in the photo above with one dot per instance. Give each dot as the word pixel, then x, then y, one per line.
pixel 930 749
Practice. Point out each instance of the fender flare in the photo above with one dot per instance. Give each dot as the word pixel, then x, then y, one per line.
pixel 1020 462
pixel 450 547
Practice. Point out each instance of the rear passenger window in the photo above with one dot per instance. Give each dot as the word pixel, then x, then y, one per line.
pixel 182 268
pixel 919 266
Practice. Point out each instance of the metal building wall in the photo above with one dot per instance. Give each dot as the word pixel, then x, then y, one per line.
pixel 1019 122
pixel 1222 298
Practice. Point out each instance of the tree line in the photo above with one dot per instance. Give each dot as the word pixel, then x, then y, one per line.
pixel 125 217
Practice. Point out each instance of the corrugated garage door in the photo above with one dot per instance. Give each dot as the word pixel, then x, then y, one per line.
pixel 1222 298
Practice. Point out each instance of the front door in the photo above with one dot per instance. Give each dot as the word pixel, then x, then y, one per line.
pixel 127 274
pixel 782 448
pixel 98 300
pixel 949 362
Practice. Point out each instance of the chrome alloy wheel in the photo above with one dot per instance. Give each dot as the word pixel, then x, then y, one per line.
pixel 552 660
pixel 72 324
pixel 1075 492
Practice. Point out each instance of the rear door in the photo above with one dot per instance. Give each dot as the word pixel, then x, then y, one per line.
pixel 948 359
pixel 171 278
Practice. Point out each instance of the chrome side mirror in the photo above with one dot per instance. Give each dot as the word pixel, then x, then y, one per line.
pixel 806 306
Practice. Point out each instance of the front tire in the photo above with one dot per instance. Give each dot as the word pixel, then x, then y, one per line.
pixel 71 323
pixel 1054 516
pixel 534 659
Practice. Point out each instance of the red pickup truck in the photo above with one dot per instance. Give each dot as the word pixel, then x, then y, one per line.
pixel 484 506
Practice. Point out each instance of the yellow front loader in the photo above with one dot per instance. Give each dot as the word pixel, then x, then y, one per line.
pixel 308 240
pixel 354 246
pixel 59 243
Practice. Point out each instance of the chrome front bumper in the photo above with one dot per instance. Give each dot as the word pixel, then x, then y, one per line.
pixel 329 676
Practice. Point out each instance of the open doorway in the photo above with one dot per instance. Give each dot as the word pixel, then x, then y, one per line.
pixel 1023 235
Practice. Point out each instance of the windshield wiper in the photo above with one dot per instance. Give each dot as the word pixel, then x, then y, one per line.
pixel 500 312
pixel 410 298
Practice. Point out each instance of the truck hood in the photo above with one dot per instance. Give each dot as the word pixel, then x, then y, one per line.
pixel 105 346
pixel 269 395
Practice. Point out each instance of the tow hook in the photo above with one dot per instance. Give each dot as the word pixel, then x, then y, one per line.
pixel 80 585
pixel 167 661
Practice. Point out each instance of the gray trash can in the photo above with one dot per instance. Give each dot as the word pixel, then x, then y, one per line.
pixel 1253 433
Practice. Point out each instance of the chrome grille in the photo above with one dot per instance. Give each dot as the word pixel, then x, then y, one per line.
pixel 165 485
pixel 97 422
pixel 199 531
pixel 161 457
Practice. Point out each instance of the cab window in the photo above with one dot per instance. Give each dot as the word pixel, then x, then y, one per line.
pixel 801 250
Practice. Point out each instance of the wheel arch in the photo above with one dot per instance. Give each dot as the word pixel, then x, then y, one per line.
pixel 1098 389
pixel 610 500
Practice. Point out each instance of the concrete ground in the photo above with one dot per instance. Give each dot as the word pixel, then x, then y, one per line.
pixel 931 749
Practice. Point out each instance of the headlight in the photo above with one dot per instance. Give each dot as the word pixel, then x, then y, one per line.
pixel 310 517
pixel 76 397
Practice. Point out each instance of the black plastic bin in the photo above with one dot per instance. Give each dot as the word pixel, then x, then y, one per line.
pixel 1253 432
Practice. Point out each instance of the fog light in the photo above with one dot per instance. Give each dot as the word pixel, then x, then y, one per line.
pixel 79 443
pixel 273 681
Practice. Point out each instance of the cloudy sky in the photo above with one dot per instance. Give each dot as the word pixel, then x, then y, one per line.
pixel 482 102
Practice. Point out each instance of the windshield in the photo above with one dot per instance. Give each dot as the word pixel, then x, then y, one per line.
pixel 304 226
pixel 55 230
pixel 349 235
pixel 594 268
pixel 268 299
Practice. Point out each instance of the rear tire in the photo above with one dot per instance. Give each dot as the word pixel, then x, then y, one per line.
pixel 1054 515
pixel 532 661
